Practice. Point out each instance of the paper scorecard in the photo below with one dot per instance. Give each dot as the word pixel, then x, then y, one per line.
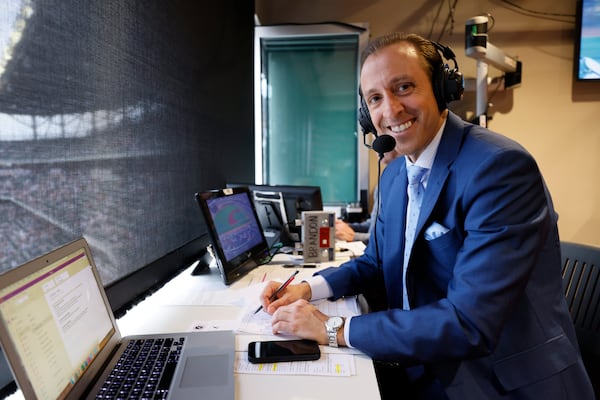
pixel 328 365
pixel 260 323
pixel 333 362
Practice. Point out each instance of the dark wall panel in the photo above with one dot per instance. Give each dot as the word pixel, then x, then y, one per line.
pixel 112 114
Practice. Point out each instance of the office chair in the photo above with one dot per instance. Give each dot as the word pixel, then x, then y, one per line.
pixel 581 282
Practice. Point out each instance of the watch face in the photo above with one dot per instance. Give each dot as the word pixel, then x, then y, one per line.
pixel 335 322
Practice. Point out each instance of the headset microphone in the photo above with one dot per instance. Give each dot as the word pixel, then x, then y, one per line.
pixel 383 144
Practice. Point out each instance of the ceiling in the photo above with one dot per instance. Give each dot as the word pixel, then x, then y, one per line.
pixel 436 19
pixel 512 23
pixel 441 20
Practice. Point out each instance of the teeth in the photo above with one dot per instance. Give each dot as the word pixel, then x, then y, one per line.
pixel 400 128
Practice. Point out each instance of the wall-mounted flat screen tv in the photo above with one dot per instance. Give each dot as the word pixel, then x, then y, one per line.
pixel 587 46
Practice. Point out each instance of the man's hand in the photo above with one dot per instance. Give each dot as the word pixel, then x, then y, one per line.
pixel 289 295
pixel 301 319
pixel 343 231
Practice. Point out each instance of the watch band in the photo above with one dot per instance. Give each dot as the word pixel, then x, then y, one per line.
pixel 332 336
pixel 332 325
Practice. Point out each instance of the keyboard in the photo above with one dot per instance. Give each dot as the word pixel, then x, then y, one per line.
pixel 144 370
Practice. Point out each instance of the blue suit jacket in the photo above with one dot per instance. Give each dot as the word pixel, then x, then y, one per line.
pixel 488 314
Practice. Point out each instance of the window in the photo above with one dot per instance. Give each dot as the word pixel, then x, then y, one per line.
pixel 306 88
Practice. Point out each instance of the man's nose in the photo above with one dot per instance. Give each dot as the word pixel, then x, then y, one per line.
pixel 391 107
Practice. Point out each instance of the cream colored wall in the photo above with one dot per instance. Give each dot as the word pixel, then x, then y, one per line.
pixel 564 136
pixel 546 114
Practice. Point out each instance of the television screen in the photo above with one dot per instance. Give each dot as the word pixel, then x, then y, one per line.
pixel 587 48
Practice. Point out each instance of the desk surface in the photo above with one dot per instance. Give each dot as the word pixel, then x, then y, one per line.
pixel 187 299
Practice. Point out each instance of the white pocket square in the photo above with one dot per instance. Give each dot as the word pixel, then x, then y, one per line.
pixel 434 231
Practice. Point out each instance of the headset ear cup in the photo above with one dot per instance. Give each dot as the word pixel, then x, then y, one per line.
pixel 439 87
pixel 447 83
pixel 450 86
pixel 454 83
pixel 364 118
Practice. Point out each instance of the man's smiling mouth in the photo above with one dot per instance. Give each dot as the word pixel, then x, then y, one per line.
pixel 402 127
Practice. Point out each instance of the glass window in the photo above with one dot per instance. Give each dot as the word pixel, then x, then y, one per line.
pixel 307 111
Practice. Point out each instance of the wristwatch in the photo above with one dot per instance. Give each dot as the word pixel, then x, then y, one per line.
pixel 332 325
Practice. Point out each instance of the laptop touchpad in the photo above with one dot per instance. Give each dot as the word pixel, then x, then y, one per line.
pixel 206 370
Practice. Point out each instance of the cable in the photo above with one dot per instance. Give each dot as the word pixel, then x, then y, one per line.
pixel 534 13
pixel 437 15
pixel 377 204
pixel 494 92
pixel 491 17
pixel 452 9
pixel 449 18
pixel 273 250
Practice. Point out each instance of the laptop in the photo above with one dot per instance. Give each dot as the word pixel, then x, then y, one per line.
pixel 238 240
pixel 61 340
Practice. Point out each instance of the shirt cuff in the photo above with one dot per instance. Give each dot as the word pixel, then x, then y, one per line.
pixel 347 331
pixel 319 287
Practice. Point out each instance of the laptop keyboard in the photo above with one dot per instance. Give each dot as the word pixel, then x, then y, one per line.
pixel 144 370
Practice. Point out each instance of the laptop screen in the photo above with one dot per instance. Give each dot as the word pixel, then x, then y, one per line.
pixel 236 231
pixel 57 322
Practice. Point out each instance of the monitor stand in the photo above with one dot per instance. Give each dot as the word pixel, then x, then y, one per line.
pixel 203 263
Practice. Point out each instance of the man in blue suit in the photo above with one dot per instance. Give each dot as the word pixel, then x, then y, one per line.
pixel 478 311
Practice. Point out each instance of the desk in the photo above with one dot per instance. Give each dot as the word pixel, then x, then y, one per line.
pixel 187 299
pixel 167 310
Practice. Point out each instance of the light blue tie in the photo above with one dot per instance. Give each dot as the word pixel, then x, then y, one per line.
pixel 416 190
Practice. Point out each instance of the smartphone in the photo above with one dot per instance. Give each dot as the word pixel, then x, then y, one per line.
pixel 283 350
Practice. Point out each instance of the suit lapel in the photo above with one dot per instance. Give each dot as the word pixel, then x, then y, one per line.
pixel 445 156
pixel 395 220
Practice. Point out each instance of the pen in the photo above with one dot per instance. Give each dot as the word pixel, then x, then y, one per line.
pixel 279 289
pixel 299 265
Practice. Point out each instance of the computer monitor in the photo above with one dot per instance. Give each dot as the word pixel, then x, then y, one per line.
pixel 296 198
pixel 270 208
pixel 238 240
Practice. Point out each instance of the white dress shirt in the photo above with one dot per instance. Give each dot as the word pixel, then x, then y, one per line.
pixel 319 287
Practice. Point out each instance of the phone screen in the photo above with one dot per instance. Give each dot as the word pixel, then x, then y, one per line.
pixel 283 350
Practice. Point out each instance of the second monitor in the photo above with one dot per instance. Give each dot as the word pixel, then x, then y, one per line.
pixel 282 205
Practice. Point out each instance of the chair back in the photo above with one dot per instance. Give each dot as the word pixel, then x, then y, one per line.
pixel 581 282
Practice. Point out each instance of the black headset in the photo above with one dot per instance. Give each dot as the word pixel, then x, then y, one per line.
pixel 448 85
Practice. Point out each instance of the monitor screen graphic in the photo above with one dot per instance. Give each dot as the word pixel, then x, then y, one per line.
pixel 235 224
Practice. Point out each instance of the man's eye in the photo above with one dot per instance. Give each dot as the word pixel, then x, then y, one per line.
pixel 404 88
pixel 373 99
